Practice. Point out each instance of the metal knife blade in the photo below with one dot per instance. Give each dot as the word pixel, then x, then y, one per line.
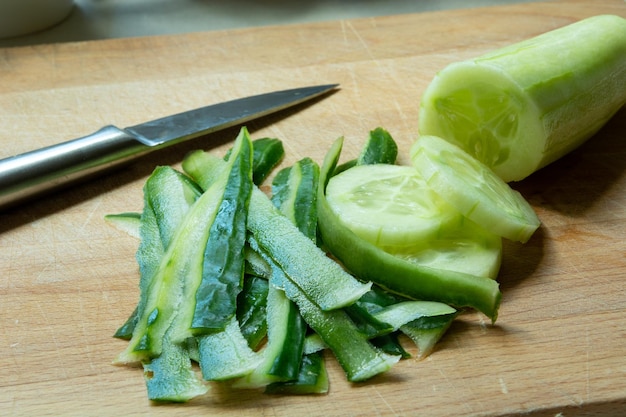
pixel 40 171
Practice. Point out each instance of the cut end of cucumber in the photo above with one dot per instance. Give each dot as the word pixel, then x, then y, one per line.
pixel 484 112
pixel 473 189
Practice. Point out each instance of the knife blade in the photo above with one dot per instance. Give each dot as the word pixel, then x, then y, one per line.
pixel 40 171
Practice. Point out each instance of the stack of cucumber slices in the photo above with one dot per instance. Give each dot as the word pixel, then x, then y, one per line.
pixel 238 286
pixel 430 231
pixel 448 211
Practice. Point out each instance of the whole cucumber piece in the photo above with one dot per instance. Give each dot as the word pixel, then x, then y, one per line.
pixel 524 106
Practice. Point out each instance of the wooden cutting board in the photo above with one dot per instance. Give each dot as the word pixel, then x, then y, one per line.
pixel 68 280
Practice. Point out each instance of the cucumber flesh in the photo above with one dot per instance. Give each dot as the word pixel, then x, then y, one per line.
pixel 473 189
pixel 389 205
pixel 393 207
pixel 467 248
pixel 524 106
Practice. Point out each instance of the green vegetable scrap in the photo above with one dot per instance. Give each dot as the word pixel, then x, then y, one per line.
pixel 473 189
pixel 170 290
pixel 380 148
pixel 235 285
pixel 251 309
pixel 223 261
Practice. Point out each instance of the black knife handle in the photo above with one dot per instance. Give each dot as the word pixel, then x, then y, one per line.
pixel 33 173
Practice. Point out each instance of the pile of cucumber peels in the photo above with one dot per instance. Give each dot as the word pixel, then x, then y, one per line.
pixel 235 285
pixel 239 286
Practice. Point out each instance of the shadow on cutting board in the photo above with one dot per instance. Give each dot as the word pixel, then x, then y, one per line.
pixel 572 185
pixel 566 192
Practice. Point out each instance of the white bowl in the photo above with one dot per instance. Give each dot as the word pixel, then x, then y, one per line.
pixel 20 17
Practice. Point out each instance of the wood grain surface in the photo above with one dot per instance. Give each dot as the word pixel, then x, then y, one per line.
pixel 68 280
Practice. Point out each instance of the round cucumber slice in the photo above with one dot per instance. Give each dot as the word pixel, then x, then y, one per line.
pixel 468 248
pixel 389 205
pixel 473 189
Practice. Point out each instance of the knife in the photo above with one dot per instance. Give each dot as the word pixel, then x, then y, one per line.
pixel 36 172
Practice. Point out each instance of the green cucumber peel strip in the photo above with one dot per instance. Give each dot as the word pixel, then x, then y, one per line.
pixel 425 335
pixel 125 331
pixel 359 359
pixel 251 310
pixel 312 378
pixel 281 310
pixel 168 196
pixel 367 323
pixel 390 344
pixel 223 267
pixel 179 273
pixel 425 330
pixel 268 152
pixel 313 343
pixel 256 265
pixel 170 377
pixel 226 354
pixel 397 315
pixel 294 192
pixel 380 148
pixel 405 278
pixel 282 355
pixel 303 262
